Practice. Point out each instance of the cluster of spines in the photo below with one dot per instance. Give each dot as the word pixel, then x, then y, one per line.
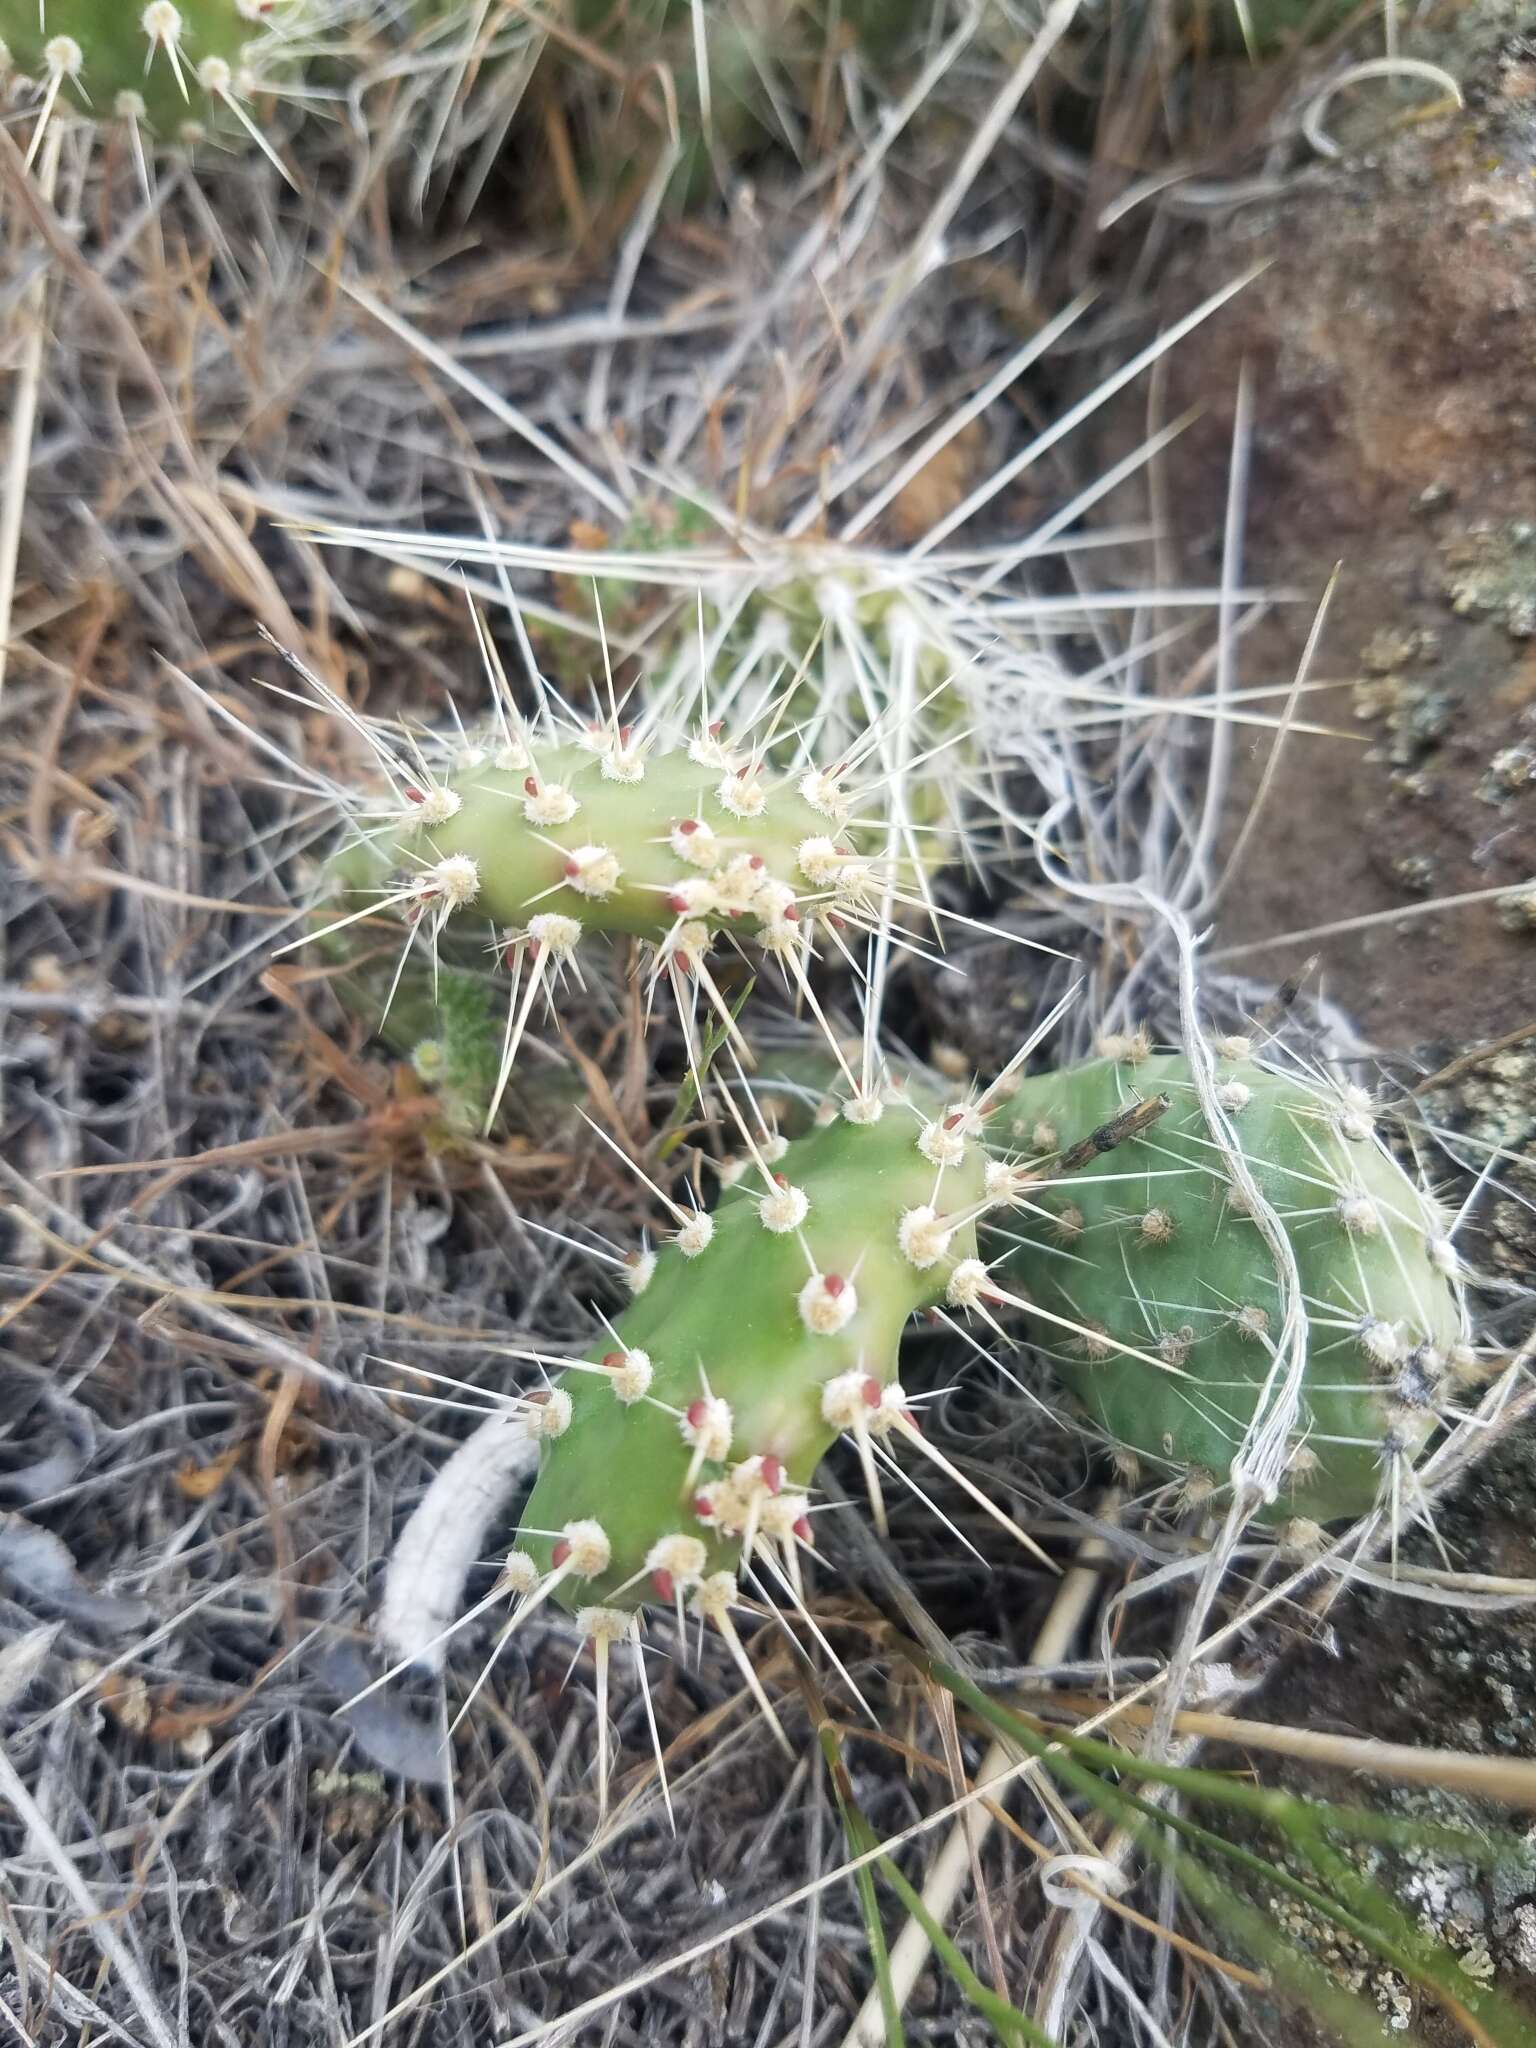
pixel 169 66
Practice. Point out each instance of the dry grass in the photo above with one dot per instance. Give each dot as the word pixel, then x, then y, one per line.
pixel 222 1208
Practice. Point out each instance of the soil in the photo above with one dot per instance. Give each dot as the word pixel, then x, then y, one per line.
pixel 1395 436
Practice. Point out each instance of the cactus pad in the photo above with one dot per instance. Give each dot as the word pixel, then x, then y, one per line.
pixel 527 851
pixel 1151 1247
pixel 618 843
pixel 743 1360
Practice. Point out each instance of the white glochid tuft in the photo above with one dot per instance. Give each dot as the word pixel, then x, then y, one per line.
pixel 559 935
pixel 696 1235
pixel 547 803
pixel 639 1272
pixel 942 1143
pixel 519 1575
pixel 550 1416
pixel 715 1597
pixel 1379 1340
pixel 632 1376
pixel 584 1546
pixel 1443 1256
pixel 604 1624
pixel 848 1401
pixel 744 795
pixel 593 871
pixel 827 1304
pixel 456 880
pixel 695 842
pixel 819 860
pixel 439 803
pixel 824 793
pixel 968 1284
pixel 784 1209
pixel 923 1236
pixel 707 1427
pixel 682 1558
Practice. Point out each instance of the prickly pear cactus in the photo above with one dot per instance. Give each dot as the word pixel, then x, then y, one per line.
pixel 679 1467
pixel 804 637
pixel 526 850
pixel 177 67
pixel 760 1335
pixel 797 748
pixel 610 841
pixel 1152 1247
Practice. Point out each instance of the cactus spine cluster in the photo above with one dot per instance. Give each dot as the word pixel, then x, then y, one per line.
pixel 175 67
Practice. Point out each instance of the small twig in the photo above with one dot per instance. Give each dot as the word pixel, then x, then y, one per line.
pixel 1510 1781
pixel 1466 1061
pixel 31 317
pixel 1132 1122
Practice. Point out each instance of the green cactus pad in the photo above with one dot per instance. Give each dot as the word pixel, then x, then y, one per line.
pixel 171 67
pixel 1168 1261
pixel 806 634
pixel 681 841
pixel 741 1342
pixel 527 851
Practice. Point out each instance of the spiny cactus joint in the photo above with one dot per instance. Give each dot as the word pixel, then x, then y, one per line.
pixel 177 68
pixel 742 1361
pixel 537 844
pixel 1154 1247
pixel 677 1470
pixel 777 1327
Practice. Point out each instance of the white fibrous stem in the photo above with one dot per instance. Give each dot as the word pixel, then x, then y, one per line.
pixel 447 1535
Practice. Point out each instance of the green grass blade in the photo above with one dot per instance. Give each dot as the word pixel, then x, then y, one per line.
pixel 1356 1904
pixel 1013 2028
pixel 860 1838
